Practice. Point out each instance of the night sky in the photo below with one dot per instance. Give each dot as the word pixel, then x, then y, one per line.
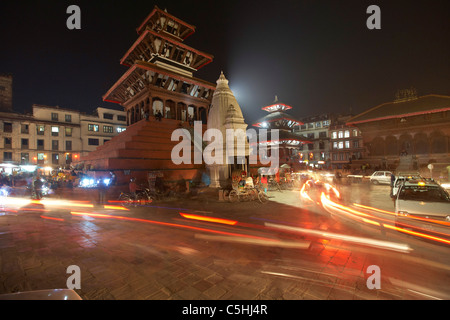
pixel 318 56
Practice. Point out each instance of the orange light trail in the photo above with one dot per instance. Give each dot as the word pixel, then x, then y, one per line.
pixel 208 219
pixel 52 218
pixel 116 208
pixel 106 216
pixel 419 234
pixel 412 217
pixel 365 218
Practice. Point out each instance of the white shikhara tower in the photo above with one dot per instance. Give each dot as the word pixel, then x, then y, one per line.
pixel 225 113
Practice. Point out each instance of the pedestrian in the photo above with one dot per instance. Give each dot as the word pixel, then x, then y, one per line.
pixel 38 188
pixel 392 184
pixel 264 183
pixel 159 115
pixel 133 187
pixel 102 187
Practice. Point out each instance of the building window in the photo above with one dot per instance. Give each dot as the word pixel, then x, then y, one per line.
pixel 55 145
pixel 68 158
pixel 121 118
pixel 25 128
pixel 108 129
pixel 121 129
pixel 55 131
pixel 318 124
pixel 334 135
pixel 108 116
pixel 93 142
pixel 326 123
pixel 347 144
pixel 335 145
pixel 310 125
pixel 24 158
pixel 68 131
pixel 356 144
pixel 323 134
pixel 303 127
pixel 40 156
pixel 54 116
pixel 341 145
pixel 346 134
pixel 8 143
pixel 355 132
pixel 93 127
pixel 40 144
pixel 68 145
pixel 55 158
pixel 24 144
pixel 40 129
pixel 7 156
pixel 340 134
pixel 68 118
pixel 7 127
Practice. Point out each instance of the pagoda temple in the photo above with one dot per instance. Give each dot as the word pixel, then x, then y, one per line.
pixel 287 140
pixel 159 82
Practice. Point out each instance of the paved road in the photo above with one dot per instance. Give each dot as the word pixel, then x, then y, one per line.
pixel 155 253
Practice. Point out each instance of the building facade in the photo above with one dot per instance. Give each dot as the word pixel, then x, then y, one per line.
pixel 408 133
pixel 6 93
pixel 51 136
pixel 346 145
pixel 316 153
pixel 98 128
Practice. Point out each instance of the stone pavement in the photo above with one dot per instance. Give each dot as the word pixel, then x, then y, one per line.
pixel 127 260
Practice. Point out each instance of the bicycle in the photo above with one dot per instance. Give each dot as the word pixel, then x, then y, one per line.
pixel 274 185
pixel 247 194
pixel 141 197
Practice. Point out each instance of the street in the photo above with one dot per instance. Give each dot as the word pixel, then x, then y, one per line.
pixel 202 249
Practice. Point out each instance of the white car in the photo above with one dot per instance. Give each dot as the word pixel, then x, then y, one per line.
pixel 423 198
pixel 381 177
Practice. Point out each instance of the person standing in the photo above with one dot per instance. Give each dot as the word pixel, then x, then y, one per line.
pixel 133 188
pixel 264 183
pixel 392 184
pixel 38 187
pixel 102 188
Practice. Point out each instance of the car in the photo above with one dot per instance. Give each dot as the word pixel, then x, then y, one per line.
pixel 424 198
pixel 381 177
pixel 402 177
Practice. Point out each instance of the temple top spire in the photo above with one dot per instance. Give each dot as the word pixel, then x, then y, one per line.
pixel 164 22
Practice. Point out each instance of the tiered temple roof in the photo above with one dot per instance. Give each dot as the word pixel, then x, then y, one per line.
pixel 278 119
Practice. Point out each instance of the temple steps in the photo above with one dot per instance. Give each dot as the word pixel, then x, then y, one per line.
pixel 144 147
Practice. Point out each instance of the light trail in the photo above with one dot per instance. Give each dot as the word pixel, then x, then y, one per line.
pixel 208 219
pixel 358 240
pixel 336 208
pixel 167 224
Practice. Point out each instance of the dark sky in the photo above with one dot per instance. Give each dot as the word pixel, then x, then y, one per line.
pixel 315 55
